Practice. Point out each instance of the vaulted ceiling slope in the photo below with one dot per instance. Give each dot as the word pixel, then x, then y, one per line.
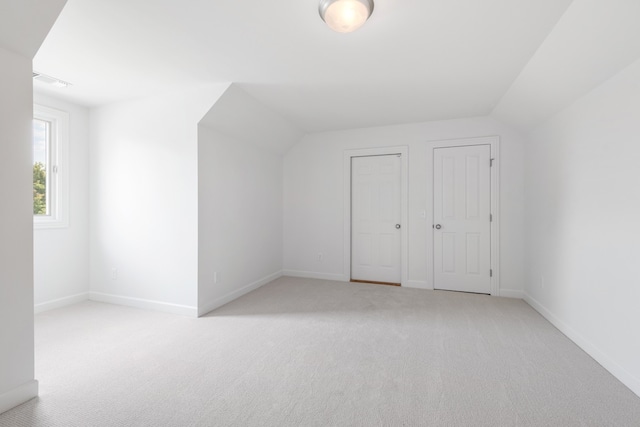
pixel 413 61
pixel 25 24
pixel 238 115
pixel 593 41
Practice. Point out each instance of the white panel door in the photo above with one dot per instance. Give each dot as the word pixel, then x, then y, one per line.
pixel 375 218
pixel 462 225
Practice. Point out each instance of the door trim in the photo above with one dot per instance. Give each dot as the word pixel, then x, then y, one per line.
pixel 404 215
pixel 494 143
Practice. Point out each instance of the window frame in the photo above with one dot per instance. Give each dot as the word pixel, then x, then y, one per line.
pixel 58 169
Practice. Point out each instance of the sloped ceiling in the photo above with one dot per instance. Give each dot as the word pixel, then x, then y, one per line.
pixel 415 60
pixel 237 114
pixel 24 24
pixel 592 42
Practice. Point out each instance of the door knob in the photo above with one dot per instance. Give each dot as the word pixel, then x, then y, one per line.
pixel 398 226
pixel 438 227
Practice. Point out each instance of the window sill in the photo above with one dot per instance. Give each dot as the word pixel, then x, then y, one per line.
pixel 46 223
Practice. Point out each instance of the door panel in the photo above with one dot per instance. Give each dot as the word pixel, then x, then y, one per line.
pixel 473 253
pixel 375 211
pixel 462 227
pixel 448 252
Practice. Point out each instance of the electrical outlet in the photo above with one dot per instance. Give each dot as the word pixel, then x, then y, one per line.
pixel 114 273
pixel 319 257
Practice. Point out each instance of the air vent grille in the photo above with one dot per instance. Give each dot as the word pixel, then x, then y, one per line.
pixel 50 80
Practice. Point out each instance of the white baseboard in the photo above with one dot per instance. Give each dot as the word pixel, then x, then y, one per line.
pixel 60 302
pixel 418 284
pixel 18 395
pixel 599 356
pixel 314 275
pixel 183 310
pixel 225 299
pixel 510 293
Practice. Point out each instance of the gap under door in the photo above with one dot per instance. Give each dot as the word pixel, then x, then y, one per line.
pixel 375 219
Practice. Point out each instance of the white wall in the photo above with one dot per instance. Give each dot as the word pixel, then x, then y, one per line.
pixel 592 41
pixel 583 211
pixel 17 382
pixel 23 26
pixel 240 148
pixel 242 117
pixel 313 196
pixel 240 218
pixel 61 255
pixel 144 200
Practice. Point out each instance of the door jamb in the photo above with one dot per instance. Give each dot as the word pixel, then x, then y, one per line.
pixel 494 143
pixel 403 150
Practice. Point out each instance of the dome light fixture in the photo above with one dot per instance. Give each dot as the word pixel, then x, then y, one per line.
pixel 345 16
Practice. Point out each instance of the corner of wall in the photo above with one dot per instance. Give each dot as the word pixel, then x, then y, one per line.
pixel 18 395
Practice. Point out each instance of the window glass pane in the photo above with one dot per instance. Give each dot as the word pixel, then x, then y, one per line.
pixel 40 166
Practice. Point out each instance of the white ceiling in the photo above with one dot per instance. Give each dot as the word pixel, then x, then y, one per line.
pixel 415 60
pixel 235 108
pixel 591 43
pixel 24 24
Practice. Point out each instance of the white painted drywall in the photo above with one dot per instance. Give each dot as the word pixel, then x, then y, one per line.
pixel 582 222
pixel 591 43
pixel 240 218
pixel 16 229
pixel 61 255
pixel 313 196
pixel 242 117
pixel 23 26
pixel 240 148
pixel 144 199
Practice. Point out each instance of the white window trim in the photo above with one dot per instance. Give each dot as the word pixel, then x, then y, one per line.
pixel 58 216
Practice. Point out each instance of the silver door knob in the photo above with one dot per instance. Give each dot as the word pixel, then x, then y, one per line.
pixel 438 226
pixel 398 226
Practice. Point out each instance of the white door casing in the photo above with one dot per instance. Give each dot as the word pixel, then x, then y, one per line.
pixel 462 218
pixel 403 151
pixel 376 218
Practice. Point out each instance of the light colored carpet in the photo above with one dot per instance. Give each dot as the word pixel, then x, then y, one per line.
pixel 300 352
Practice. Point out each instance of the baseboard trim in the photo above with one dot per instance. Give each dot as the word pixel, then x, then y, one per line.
pixel 225 299
pixel 599 356
pixel 183 310
pixel 18 395
pixel 510 293
pixel 315 275
pixel 60 302
pixel 417 284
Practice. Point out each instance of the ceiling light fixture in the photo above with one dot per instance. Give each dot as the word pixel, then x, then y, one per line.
pixel 345 16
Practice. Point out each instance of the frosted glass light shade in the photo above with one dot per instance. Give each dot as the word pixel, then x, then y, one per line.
pixel 345 16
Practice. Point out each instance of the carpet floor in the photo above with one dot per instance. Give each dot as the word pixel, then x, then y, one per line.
pixel 302 352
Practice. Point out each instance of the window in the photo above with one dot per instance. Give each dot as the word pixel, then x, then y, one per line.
pixel 50 178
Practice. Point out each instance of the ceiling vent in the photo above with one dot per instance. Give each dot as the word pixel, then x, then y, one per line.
pixel 49 80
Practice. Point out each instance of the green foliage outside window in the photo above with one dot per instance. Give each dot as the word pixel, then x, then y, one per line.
pixel 39 189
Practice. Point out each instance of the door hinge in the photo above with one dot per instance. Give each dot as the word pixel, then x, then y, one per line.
pixel 491 273
pixel 490 217
pixel 491 162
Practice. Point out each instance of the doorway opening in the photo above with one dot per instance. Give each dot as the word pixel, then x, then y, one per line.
pixel 375 232
pixel 464 233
